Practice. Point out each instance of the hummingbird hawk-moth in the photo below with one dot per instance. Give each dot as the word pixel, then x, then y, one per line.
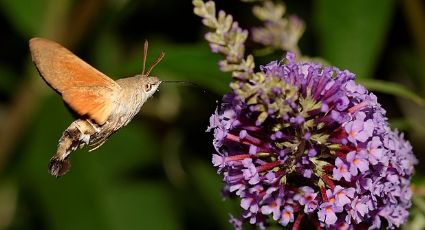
pixel 101 104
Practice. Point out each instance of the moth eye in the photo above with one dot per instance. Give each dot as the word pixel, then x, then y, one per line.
pixel 148 87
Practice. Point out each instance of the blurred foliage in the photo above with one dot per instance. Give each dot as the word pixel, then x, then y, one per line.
pixel 156 172
pixel 352 34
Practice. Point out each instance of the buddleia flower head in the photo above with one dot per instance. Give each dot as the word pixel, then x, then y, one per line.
pixel 302 140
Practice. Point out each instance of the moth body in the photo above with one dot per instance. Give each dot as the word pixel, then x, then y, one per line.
pixel 103 105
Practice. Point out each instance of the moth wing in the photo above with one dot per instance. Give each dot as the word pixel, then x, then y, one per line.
pixel 90 101
pixel 85 89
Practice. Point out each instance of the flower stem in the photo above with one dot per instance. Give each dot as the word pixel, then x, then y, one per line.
pixel 268 166
pixel 237 157
pixel 328 181
pixel 297 222
pixel 247 141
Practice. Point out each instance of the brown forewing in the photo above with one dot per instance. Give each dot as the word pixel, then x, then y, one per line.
pixel 85 89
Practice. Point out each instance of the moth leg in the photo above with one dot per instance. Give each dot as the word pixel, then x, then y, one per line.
pixel 94 125
pixel 98 144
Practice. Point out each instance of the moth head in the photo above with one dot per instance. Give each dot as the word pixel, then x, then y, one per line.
pixel 150 85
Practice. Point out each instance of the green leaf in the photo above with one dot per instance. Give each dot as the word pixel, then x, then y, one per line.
pixel 26 16
pixel 133 146
pixel 401 124
pixel 209 184
pixel 416 221
pixel 36 17
pixel 142 206
pixel 419 203
pixel 9 201
pixel 412 64
pixel 393 89
pixel 352 33
pixel 108 55
pixel 8 80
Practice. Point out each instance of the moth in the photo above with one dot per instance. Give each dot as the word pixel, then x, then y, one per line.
pixel 102 105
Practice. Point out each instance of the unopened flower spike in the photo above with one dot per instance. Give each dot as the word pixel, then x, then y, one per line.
pixel 227 38
pixel 278 32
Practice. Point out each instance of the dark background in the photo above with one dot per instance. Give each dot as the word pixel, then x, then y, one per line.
pixel 156 173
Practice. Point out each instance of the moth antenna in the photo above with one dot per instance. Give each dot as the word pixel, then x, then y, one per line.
pixel 145 54
pixel 158 59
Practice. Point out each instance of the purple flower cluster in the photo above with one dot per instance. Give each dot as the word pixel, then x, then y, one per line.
pixel 302 140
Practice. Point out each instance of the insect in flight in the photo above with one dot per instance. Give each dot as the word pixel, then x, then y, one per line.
pixel 101 104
